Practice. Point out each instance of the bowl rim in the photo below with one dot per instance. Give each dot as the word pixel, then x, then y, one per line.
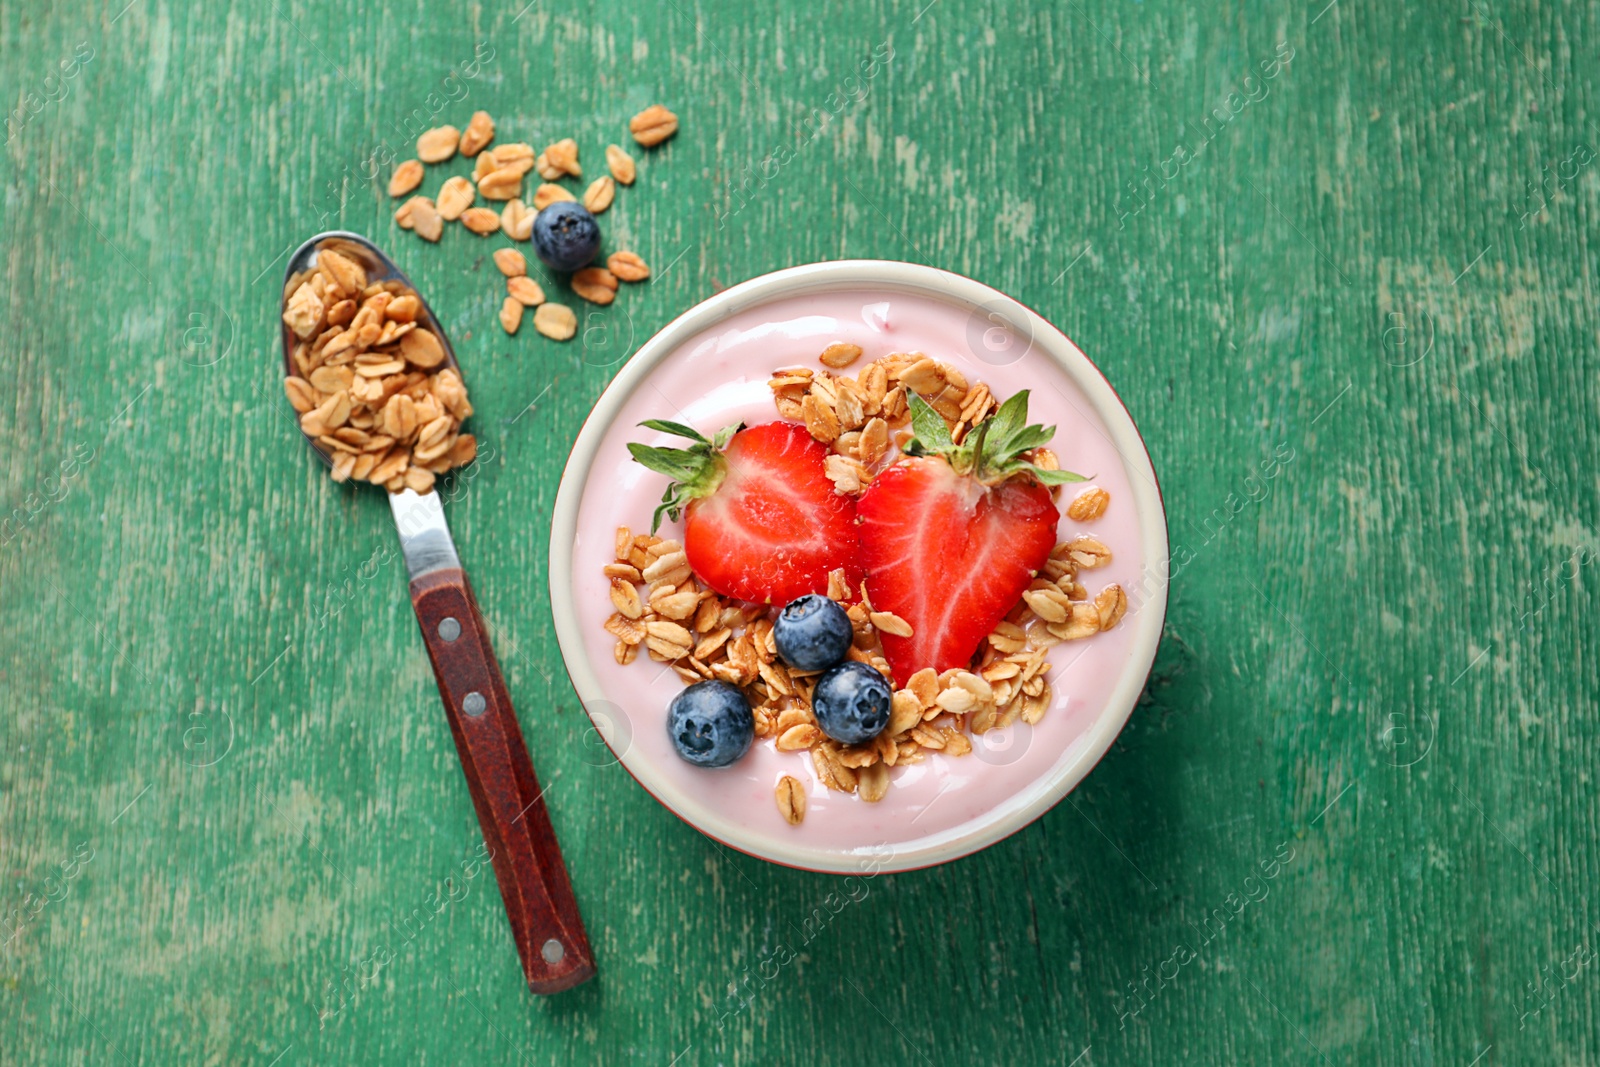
pixel 913 279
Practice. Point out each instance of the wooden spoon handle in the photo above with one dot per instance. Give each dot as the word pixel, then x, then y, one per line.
pixel 527 861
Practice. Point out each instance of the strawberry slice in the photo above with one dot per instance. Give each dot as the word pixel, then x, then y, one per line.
pixel 952 535
pixel 762 522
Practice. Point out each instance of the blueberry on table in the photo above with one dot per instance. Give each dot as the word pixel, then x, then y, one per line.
pixel 711 724
pixel 813 633
pixel 851 703
pixel 566 236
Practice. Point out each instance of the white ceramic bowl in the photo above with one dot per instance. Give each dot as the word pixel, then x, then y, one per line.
pixel 588 655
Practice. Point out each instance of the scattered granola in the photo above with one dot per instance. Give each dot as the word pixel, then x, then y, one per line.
pixel 497 176
pixel 515 156
pixel 628 267
pixel 517 220
pixel 502 184
pixel 653 125
pixel 403 214
pixel 425 219
pixel 455 196
pixel 549 193
pixel 547 170
pixel 478 134
pixel 511 263
pixel 620 164
pixel 596 285
pixel 481 220
pixel 438 145
pixel 510 314
pixel 563 156
pixel 599 195
pixel 555 321
pixel 370 386
pixel 407 176
pixel 484 166
pixel 525 291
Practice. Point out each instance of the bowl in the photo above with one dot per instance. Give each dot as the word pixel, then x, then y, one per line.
pixel 709 367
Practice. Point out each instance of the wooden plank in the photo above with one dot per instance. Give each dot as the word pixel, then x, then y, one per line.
pixel 222 752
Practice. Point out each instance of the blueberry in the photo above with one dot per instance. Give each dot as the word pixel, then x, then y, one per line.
pixel 566 236
pixel 711 724
pixel 813 633
pixel 851 703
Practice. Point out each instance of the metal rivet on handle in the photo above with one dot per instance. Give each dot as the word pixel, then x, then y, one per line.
pixel 473 703
pixel 553 951
pixel 449 629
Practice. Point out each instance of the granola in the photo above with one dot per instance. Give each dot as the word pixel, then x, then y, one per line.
pixel 595 284
pixel 563 156
pixel 653 125
pixel 628 267
pixel 548 194
pixel 1089 505
pixel 599 195
pixel 555 321
pixel 620 164
pixel 407 176
pixel 497 176
pixel 438 145
pixel 478 134
pixel 369 385
pixel 510 314
pixel 791 797
pixel 502 184
pixel 516 219
pixel 424 218
pixel 481 220
pixel 525 290
pixel 510 262
pixel 455 196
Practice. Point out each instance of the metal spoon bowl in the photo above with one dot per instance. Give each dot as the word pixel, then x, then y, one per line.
pixel 379 268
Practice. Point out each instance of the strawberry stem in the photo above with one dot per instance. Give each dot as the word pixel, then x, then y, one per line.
pixel 993 450
pixel 695 471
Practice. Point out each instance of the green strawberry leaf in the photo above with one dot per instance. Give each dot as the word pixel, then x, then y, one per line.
pixel 993 450
pixel 930 436
pixel 1009 417
pixel 695 471
pixel 1023 439
pixel 671 505
pixel 676 428
pixel 679 464
pixel 1054 477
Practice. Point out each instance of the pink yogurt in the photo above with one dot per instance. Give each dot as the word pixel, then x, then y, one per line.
pixel 719 377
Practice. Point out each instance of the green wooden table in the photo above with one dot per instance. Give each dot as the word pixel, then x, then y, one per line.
pixel 1353 820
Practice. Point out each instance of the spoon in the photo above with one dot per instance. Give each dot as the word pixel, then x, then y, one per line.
pixel 545 922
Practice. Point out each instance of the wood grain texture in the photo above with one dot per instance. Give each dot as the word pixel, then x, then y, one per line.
pixel 226 785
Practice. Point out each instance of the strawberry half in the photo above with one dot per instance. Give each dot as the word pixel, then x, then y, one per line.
pixel 762 522
pixel 952 535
